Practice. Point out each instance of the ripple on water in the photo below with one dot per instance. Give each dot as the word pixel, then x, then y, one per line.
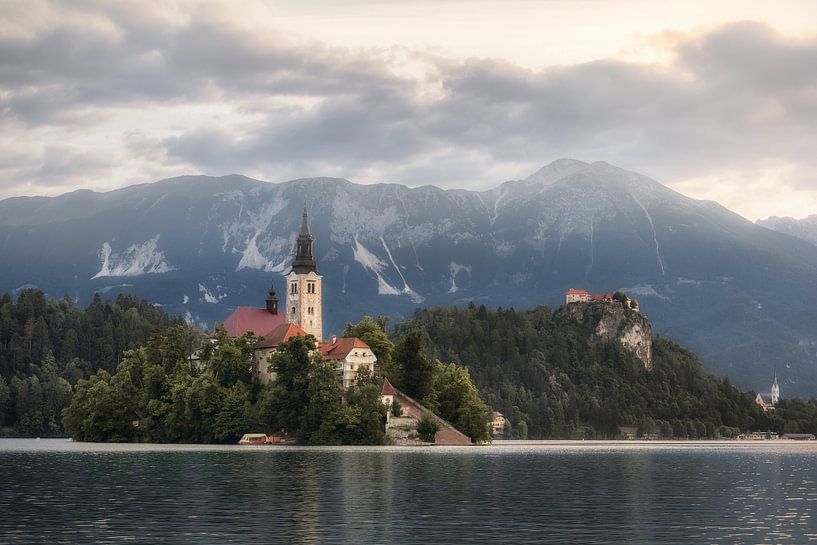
pixel 54 492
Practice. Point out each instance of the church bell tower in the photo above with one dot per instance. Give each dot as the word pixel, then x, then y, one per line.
pixel 303 306
pixel 775 394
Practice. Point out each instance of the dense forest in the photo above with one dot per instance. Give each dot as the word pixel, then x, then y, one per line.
pixel 47 345
pixel 158 394
pixel 122 370
pixel 544 373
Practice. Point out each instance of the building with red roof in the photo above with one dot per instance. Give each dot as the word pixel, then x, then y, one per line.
pixel 352 354
pixel 577 296
pixel 252 320
pixel 301 317
pixel 581 296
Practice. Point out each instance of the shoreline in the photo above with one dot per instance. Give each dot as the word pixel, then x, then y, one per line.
pixel 506 446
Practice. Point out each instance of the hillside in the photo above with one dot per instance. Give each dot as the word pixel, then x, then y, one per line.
pixel 578 372
pixel 200 246
pixel 804 229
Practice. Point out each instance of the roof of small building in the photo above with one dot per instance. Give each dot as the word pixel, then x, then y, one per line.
pixel 339 349
pixel 496 414
pixel 387 389
pixel 280 334
pixel 257 320
pixel 573 291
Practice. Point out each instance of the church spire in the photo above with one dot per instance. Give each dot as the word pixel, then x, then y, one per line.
pixel 775 388
pixel 305 225
pixel 304 260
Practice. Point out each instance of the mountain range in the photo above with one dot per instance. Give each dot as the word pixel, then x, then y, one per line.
pixel 740 295
pixel 804 229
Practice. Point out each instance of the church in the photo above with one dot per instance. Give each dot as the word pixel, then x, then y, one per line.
pixel 302 315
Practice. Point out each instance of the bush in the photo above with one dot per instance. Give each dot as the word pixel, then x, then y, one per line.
pixel 427 428
pixel 396 408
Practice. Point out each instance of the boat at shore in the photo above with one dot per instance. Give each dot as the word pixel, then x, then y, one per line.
pixel 259 439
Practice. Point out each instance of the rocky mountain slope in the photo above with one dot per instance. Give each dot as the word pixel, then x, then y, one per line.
pixel 804 229
pixel 613 322
pixel 740 295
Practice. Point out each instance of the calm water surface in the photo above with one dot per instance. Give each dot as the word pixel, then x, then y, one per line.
pixel 53 491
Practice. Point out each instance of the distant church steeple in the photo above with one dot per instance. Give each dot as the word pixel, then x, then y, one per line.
pixel 775 393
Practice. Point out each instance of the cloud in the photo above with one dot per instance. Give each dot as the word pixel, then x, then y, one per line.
pixel 191 91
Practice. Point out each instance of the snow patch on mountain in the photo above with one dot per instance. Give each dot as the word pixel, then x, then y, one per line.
pixel 373 263
pixel 264 253
pixel 455 269
pixel 209 297
pixel 136 260
pixel 413 295
pixel 251 258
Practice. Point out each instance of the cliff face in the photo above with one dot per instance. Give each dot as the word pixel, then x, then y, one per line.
pixel 613 322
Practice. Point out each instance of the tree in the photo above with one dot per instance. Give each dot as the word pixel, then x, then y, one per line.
pixel 232 419
pixel 228 359
pixel 292 363
pixel 5 399
pixel 427 428
pixel 417 370
pixel 321 419
pixel 458 401
pixel 365 416
pixel 396 408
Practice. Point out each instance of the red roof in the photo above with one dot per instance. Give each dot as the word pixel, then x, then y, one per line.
pixel 572 291
pixel 257 320
pixel 598 298
pixel 280 334
pixel 341 348
pixel 387 389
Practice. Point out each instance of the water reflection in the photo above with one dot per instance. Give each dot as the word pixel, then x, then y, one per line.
pixel 53 492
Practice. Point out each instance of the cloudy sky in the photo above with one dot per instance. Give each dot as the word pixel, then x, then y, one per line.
pixel 717 99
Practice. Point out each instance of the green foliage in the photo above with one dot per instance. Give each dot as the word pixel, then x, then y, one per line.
pixel 458 402
pixel 794 416
pixel 543 372
pixel 416 369
pixel 294 364
pixel 427 428
pixel 156 395
pixel 48 345
pixel 233 419
pixel 307 399
pixel 396 408
pixel 227 358
pixel 5 399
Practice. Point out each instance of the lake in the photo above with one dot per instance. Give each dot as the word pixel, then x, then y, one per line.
pixel 56 491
